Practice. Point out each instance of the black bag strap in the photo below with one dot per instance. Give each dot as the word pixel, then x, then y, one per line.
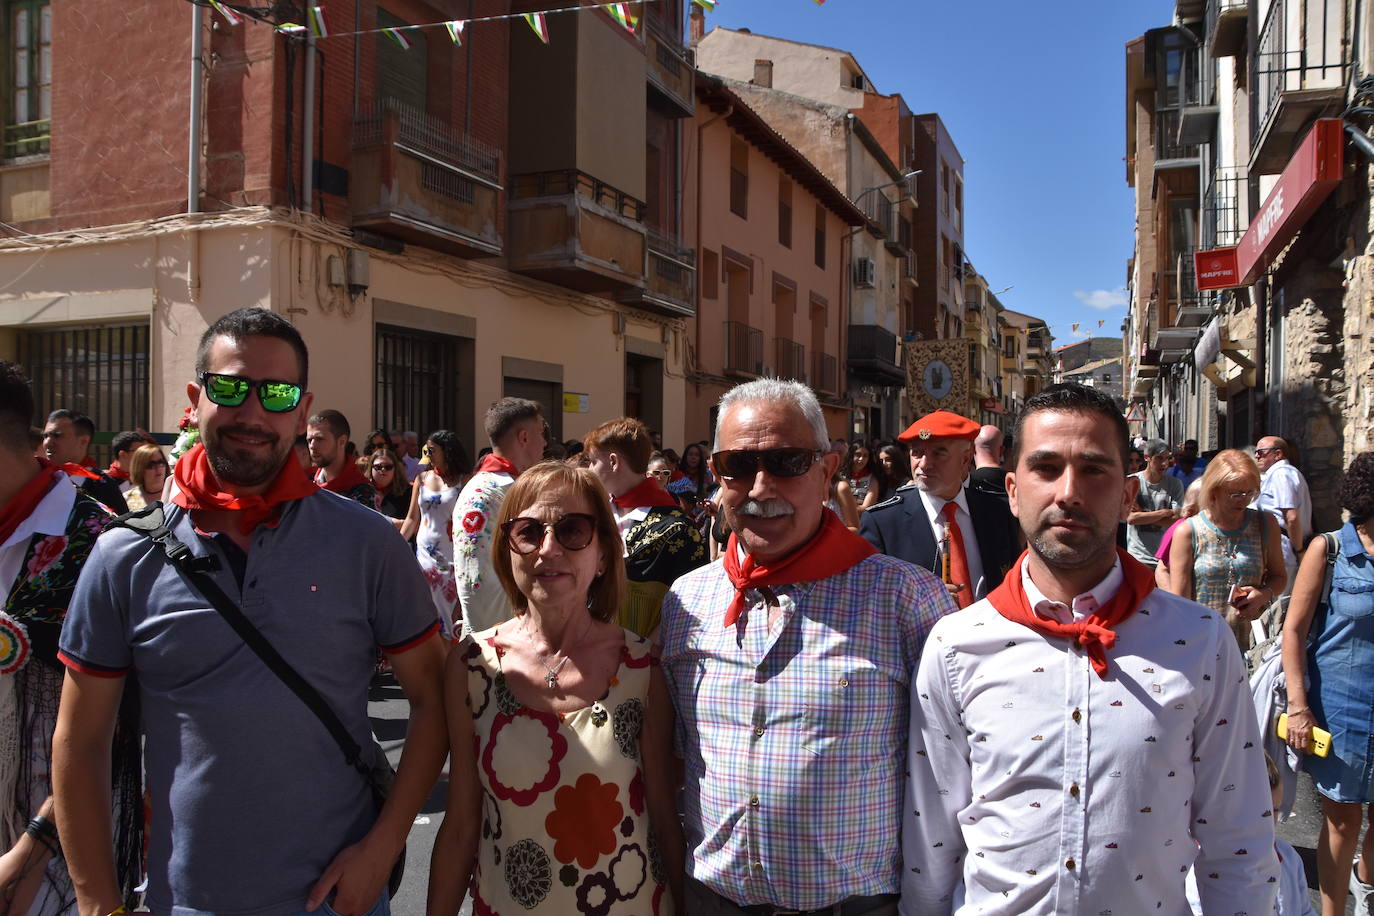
pixel 152 523
pixel 1333 545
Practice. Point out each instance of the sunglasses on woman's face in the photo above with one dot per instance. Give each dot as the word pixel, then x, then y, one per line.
pixel 232 390
pixel 157 464
pixel 384 467
pixel 573 531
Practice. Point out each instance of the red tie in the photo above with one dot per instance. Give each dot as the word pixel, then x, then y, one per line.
pixel 958 559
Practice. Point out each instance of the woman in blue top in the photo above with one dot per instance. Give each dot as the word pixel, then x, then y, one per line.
pixel 1337 691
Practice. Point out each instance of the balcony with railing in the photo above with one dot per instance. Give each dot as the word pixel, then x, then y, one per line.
pixel 1197 121
pixel 825 374
pixel 575 230
pixel 670 75
pixel 1299 72
pixel 29 138
pixel 415 178
pixel 879 211
pixel 1188 307
pixel 669 281
pixel 791 360
pixel 1225 27
pixel 1221 223
pixel 743 350
pixel 873 354
pixel 909 269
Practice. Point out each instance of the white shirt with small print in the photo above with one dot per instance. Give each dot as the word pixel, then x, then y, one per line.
pixel 1038 787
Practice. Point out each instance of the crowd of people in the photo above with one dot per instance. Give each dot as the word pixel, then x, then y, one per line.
pixel 777 672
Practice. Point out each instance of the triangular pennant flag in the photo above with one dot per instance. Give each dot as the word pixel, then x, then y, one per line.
pixel 708 5
pixel 229 15
pixel 537 23
pixel 455 30
pixel 290 28
pixel 1075 328
pixel 315 16
pixel 1101 323
pixel 396 36
pixel 620 13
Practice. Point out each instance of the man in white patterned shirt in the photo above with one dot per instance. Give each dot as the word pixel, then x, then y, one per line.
pixel 790 661
pixel 1079 738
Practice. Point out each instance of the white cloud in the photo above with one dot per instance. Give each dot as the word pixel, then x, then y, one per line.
pixel 1102 298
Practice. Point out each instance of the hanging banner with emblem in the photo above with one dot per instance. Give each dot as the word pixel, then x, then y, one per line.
pixel 937 375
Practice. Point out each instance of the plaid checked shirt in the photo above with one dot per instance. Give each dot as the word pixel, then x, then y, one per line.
pixel 795 738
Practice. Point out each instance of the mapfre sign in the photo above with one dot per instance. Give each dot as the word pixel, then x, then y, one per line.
pixel 1311 175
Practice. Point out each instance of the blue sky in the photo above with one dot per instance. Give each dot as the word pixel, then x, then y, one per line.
pixel 1034 95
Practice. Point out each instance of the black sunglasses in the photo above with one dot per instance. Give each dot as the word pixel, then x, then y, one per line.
pixel 232 391
pixel 573 531
pixel 733 464
pixel 384 467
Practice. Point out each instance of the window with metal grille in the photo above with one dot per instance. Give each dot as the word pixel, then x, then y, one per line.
pixel 417 380
pixel 99 370
pixel 27 31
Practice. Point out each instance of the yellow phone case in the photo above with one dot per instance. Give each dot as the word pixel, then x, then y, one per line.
pixel 1319 743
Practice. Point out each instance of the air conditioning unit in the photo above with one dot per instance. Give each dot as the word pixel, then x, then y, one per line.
pixel 865 273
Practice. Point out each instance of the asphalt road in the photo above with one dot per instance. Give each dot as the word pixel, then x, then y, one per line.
pixel 388 710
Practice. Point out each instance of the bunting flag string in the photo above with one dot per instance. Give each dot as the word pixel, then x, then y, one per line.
pixel 396 36
pixel 708 5
pixel 455 30
pixel 539 25
pixel 620 12
pixel 315 17
pixel 229 15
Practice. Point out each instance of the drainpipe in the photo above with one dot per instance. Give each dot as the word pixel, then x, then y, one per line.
pixel 700 149
pixel 1258 402
pixel 308 127
pixel 193 142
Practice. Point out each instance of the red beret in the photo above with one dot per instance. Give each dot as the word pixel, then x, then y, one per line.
pixel 941 424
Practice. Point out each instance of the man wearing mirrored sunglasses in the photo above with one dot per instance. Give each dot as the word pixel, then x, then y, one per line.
pixel 254 807
pixel 789 660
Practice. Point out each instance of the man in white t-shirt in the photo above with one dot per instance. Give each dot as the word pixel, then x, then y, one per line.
pixel 1284 495
pixel 1158 502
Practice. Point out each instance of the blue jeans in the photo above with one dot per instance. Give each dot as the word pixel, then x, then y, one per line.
pixel 381 908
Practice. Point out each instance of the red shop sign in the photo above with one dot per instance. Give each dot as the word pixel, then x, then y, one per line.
pixel 1216 269
pixel 1312 174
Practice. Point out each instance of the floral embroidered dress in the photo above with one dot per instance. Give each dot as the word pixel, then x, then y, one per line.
pixel 479 592
pixel 434 551
pixel 564 824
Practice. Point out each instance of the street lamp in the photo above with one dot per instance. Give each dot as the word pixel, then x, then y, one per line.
pixel 903 180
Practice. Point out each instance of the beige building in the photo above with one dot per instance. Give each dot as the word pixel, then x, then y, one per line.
pixel 990 399
pixel 498 217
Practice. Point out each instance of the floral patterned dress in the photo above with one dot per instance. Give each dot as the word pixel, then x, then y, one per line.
pixel 564 824
pixel 434 551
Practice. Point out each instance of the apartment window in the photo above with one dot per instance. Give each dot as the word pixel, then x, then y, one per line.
pixel 959 202
pixel 944 188
pixel 739 177
pixel 401 71
pixel 944 262
pixel 417 379
pixel 820 236
pixel 710 274
pixel 784 212
pixel 28 110
pixel 99 370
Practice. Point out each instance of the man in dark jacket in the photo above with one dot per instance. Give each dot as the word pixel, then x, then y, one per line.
pixel 972 554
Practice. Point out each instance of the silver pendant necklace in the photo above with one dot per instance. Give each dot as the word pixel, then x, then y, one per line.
pixel 551 677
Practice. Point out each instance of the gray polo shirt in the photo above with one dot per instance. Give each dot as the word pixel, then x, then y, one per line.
pixel 1143 540
pixel 251 797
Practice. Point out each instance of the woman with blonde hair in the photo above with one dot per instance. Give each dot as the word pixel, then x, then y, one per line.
pixel 560 727
pixel 1228 556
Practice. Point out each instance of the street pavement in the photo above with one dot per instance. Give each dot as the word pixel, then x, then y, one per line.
pixel 1301 830
pixel 388 710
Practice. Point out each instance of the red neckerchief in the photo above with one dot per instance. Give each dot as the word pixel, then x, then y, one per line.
pixel 348 478
pixel 832 551
pixel 1095 632
pixel 72 469
pixel 677 475
pixel 497 465
pixel 862 474
pixel 647 495
pixel 22 504
pixel 116 471
pixel 197 488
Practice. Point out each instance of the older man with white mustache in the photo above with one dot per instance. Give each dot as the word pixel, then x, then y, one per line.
pixel 789 660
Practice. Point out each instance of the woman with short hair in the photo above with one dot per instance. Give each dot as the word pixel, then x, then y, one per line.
pixel 561 798
pixel 1229 557
pixel 148 474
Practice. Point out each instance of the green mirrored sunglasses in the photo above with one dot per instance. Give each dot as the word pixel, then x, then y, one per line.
pixel 232 391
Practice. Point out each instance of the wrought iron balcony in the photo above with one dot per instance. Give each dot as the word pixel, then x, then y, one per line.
pixel 415 178
pixel 1299 71
pixel 791 360
pixel 1225 27
pixel 670 280
pixel 825 373
pixel 743 349
pixel 873 354
pixel 1221 223
pixel 573 229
